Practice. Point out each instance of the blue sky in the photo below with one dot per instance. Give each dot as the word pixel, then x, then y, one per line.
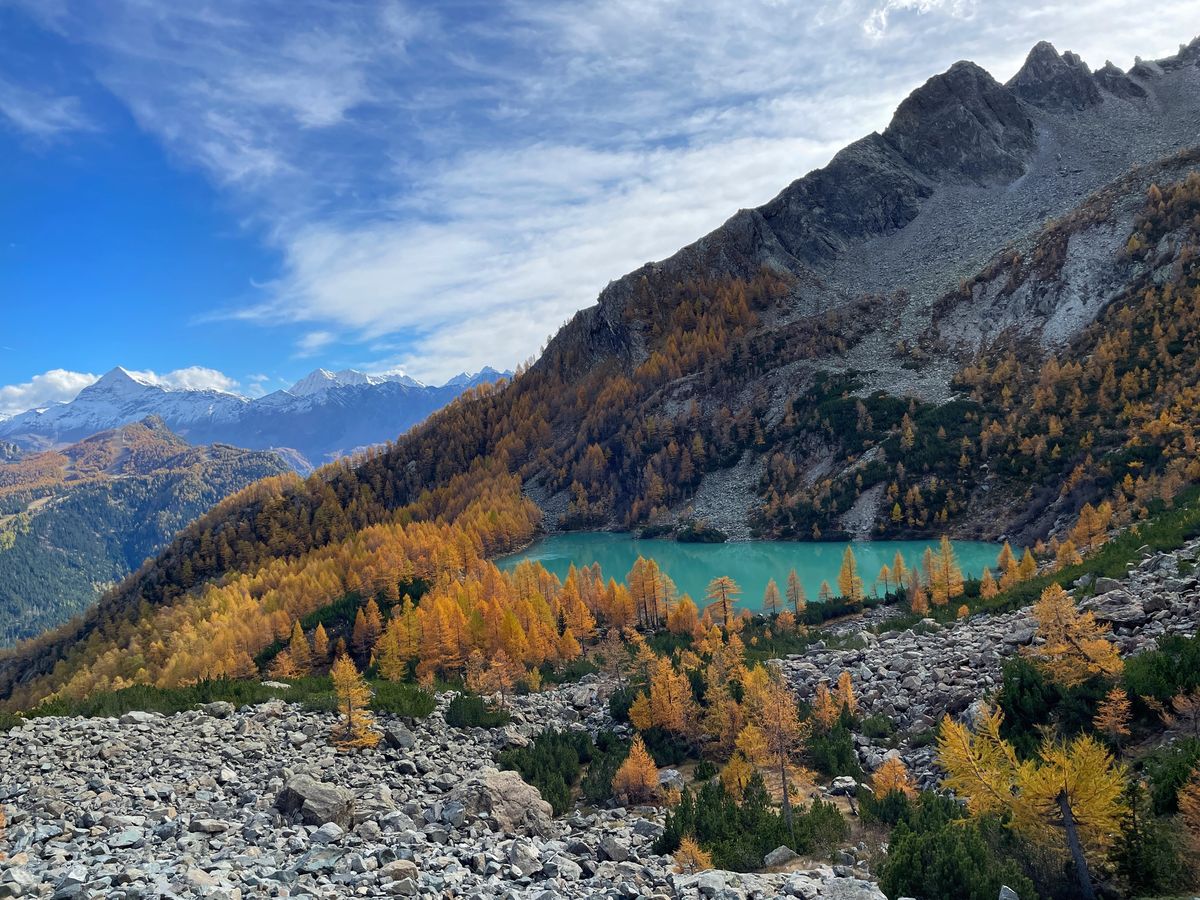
pixel 229 193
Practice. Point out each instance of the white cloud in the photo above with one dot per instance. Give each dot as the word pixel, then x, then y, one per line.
pixel 192 378
pixel 39 114
pixel 55 386
pixel 451 190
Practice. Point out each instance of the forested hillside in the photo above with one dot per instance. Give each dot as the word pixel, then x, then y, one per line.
pixel 76 521
pixel 1059 371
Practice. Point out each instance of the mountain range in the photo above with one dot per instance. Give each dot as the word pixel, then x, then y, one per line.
pixel 323 416
pixel 77 520
pixel 975 322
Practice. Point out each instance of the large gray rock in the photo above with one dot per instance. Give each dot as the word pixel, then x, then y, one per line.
pixel 514 806
pixel 780 856
pixel 316 801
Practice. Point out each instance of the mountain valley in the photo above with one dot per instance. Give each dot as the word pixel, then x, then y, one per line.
pixel 981 323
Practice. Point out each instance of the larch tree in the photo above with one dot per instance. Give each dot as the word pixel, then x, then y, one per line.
pixel 850 583
pixel 612 656
pixel 1028 567
pixel 636 781
pixel 1189 813
pixel 795 595
pixel 885 578
pixel 320 645
pixel 891 777
pixel 736 775
pixel 357 728
pixel 845 694
pixel 987 586
pixel 721 595
pixel 772 601
pixel 899 569
pixel 1073 647
pixel 300 650
pixel 1071 794
pixel 1113 716
pixel 824 711
pixel 690 858
pixel 672 706
pixel 775 716
pixel 945 576
pixel 825 592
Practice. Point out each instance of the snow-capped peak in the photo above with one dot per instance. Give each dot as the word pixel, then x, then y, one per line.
pixel 321 380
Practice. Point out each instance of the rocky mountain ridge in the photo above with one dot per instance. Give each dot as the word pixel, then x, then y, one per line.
pixel 321 417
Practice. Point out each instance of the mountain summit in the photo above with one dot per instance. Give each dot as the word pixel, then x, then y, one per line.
pixel 322 416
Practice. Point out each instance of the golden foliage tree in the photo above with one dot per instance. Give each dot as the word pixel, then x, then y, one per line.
pixel 1113 716
pixel 300 651
pixel 690 858
pixel 1071 794
pixel 320 645
pixel 987 585
pixel 772 601
pixel 1073 646
pixel 721 595
pixel 795 595
pixel 672 706
pixel 636 780
pixel 845 694
pixel 850 583
pixel 892 775
pixel 777 720
pixel 824 711
pixel 736 775
pixel 357 728
pixel 1189 815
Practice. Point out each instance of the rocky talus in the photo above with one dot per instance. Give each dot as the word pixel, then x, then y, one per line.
pixel 915 677
pixel 238 803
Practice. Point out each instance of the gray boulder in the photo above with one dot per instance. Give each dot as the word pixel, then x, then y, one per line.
pixel 514 806
pixel 780 856
pixel 316 801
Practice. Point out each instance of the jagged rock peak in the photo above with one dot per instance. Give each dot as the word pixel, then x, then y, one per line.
pixel 1051 80
pixel 963 125
pixel 1117 83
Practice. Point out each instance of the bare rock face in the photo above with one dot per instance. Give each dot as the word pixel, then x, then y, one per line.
pixel 964 126
pixel 318 803
pixel 514 806
pixel 1050 81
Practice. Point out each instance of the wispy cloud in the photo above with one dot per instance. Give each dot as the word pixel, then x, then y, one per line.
pixel 39 114
pixel 450 188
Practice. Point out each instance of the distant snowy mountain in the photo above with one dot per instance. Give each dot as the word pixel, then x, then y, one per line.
pixel 321 417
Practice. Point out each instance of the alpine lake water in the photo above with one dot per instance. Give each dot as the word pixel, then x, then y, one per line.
pixel 749 563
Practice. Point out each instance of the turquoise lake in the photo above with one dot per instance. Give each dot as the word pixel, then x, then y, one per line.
pixel 750 564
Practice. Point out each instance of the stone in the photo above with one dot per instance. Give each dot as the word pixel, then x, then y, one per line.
pixel 612 848
pixel 137 717
pixel 316 801
pixel 1007 893
pixel 329 833
pixel 671 779
pixel 221 709
pixel 400 868
pixel 524 857
pixel 399 738
pixel 127 837
pixel 208 826
pixel 515 807
pixel 780 856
